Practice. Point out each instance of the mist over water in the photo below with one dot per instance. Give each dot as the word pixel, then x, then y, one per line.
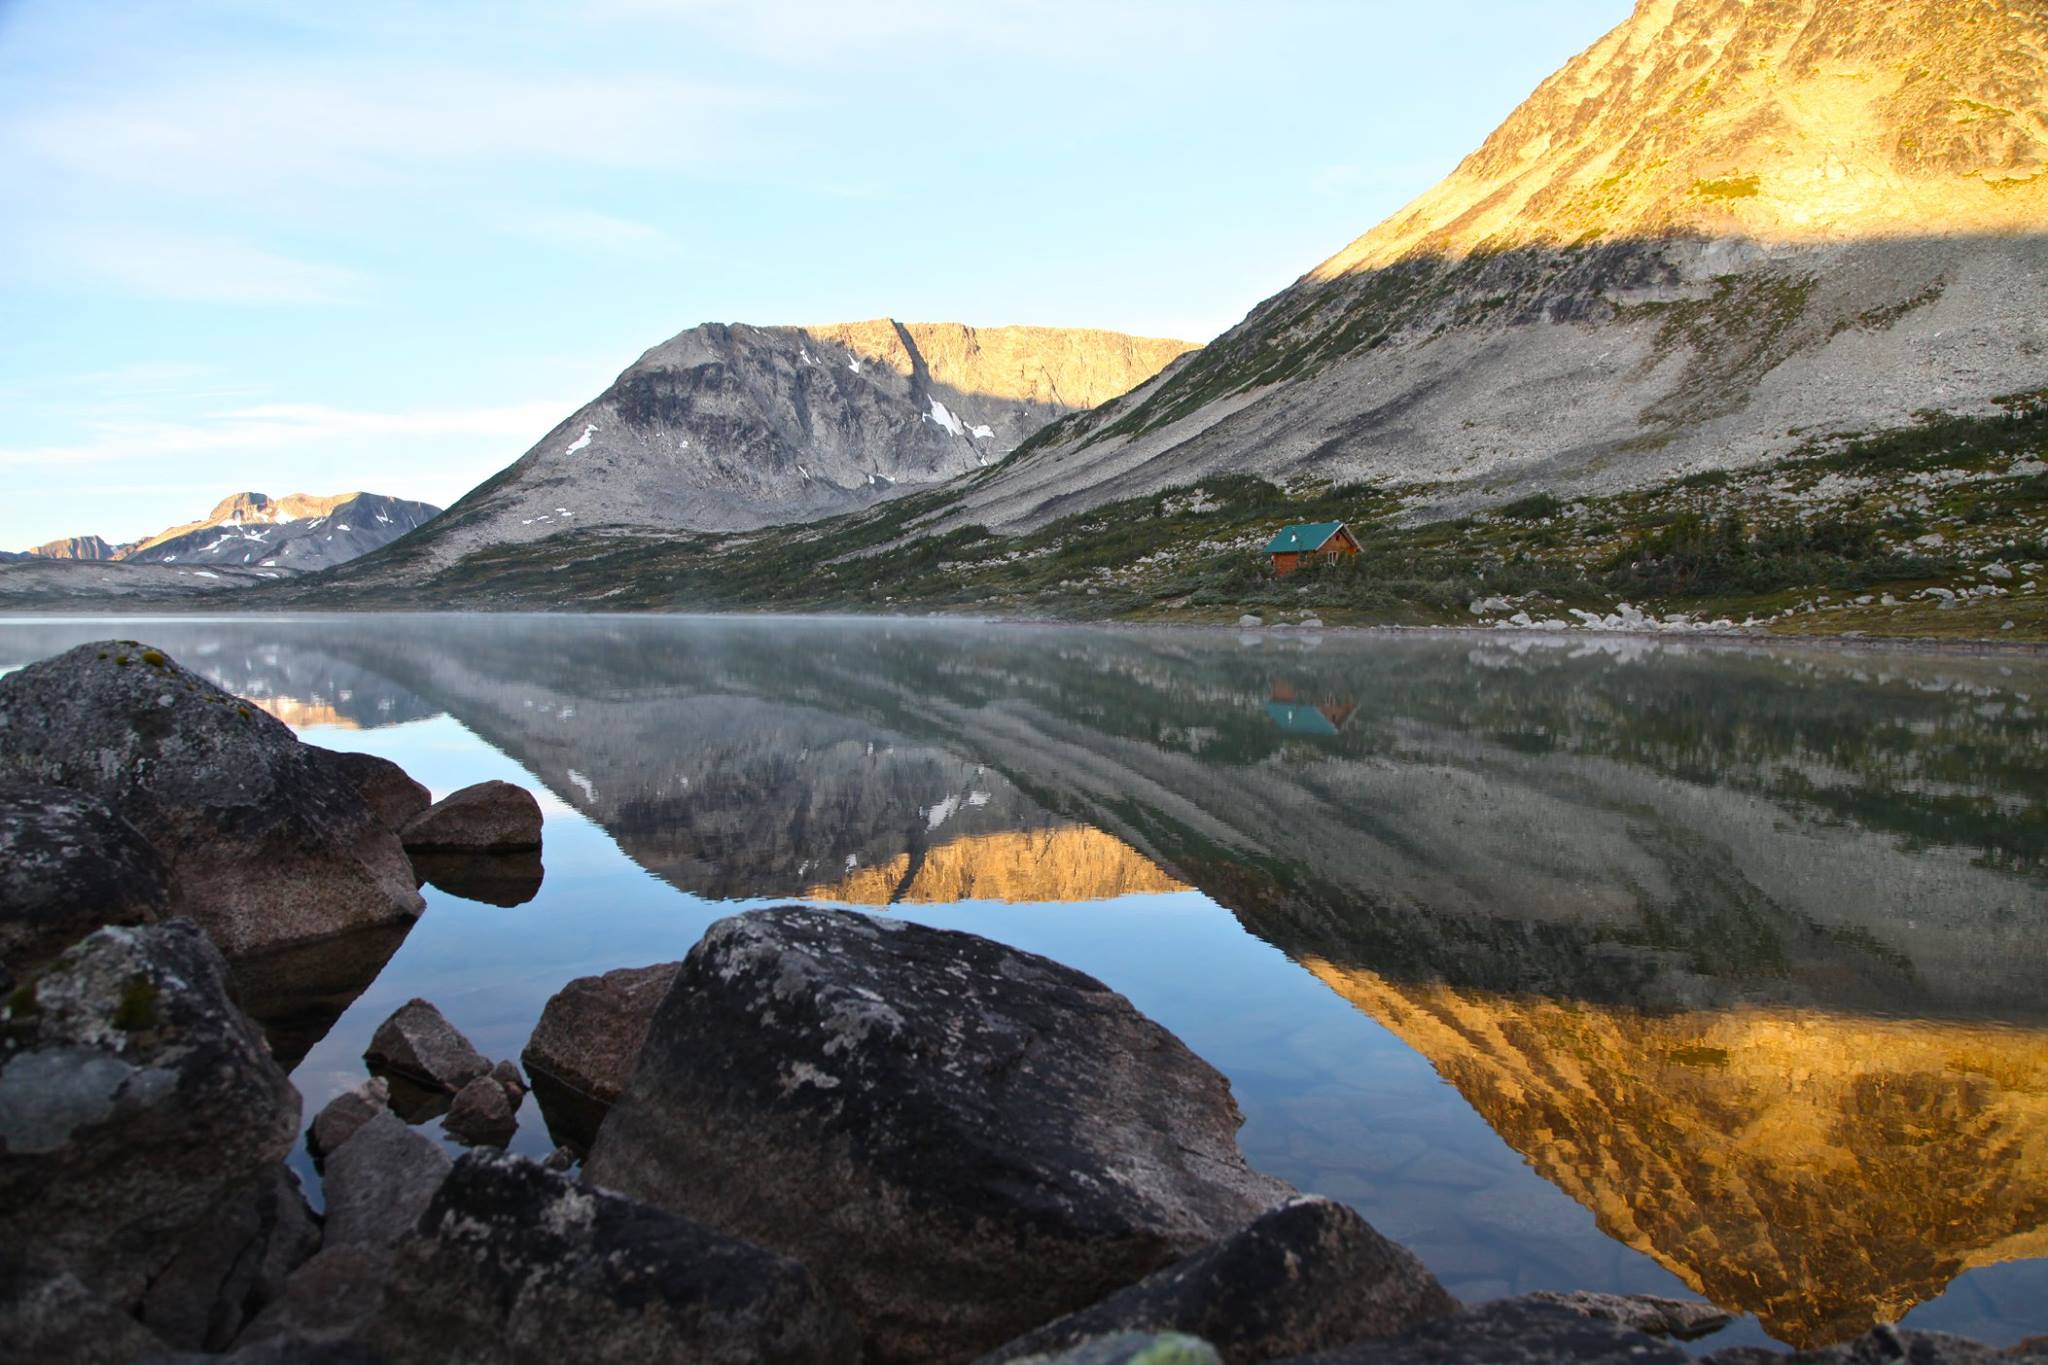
pixel 1612 965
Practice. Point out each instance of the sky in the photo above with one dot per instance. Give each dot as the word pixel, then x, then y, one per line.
pixel 282 247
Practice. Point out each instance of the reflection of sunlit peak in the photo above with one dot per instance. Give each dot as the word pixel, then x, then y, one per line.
pixel 304 715
pixel 1823 1171
pixel 1063 863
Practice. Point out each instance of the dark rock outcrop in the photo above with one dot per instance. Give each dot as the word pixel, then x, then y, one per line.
pixel 1307 1276
pixel 232 1264
pixel 483 1114
pixel 1133 1348
pixel 583 1049
pixel 329 1304
pixel 136 1102
pixel 379 1181
pixel 1651 1313
pixel 419 1044
pixel 47 1315
pixel 501 879
pixel 489 817
pixel 338 1121
pixel 68 865
pixel 513 1262
pixel 265 842
pixel 1509 1332
pixel 389 791
pixel 961 1140
pixel 1890 1345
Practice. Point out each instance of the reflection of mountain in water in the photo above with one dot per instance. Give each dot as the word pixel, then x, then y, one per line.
pixel 1740 948
pixel 1823 1171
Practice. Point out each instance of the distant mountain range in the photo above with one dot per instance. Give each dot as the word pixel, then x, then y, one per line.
pixel 296 533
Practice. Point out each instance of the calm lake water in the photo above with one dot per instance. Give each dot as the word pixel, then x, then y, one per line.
pixel 1571 964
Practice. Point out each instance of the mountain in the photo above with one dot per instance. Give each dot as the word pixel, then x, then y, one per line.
pixel 1726 226
pixel 293 532
pixel 77 547
pixel 734 427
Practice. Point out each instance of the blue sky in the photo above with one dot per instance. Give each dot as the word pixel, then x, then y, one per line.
pixel 308 248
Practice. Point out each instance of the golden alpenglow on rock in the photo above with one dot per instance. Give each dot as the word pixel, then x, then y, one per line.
pixel 1823 1171
pixel 1776 120
pixel 1067 863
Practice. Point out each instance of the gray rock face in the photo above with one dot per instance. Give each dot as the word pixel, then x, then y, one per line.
pixel 1510 1332
pixel 135 1102
pixel 347 1112
pixel 483 1114
pixel 1307 1276
pixel 329 1304
pixel 265 843
pixel 1660 1317
pixel 379 1181
pixel 961 1140
pixel 233 1264
pixel 68 865
pixel 418 1043
pixel 391 794
pixel 584 1047
pixel 515 1263
pixel 490 817
pixel 48 1315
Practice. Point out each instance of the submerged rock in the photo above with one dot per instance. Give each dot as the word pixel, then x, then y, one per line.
pixel 490 817
pixel 135 1103
pixel 390 792
pixel 379 1181
pixel 961 1140
pixel 1651 1313
pixel 69 865
pixel 1509 1332
pixel 345 1113
pixel 419 1044
pixel 515 1262
pixel 501 879
pixel 264 841
pixel 1304 1277
pixel 583 1049
pixel 483 1114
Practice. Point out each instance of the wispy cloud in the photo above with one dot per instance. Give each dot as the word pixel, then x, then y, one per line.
pixel 187 268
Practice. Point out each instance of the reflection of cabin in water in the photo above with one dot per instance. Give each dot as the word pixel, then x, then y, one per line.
pixel 1298 717
pixel 1294 546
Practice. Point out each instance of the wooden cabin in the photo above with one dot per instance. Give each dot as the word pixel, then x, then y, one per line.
pixel 1294 546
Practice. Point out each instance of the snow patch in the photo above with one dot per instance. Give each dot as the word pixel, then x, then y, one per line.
pixel 940 813
pixel 981 433
pixel 582 784
pixel 944 417
pixel 589 430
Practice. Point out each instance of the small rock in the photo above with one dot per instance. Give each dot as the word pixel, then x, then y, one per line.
pixel 1306 1276
pixel 1249 622
pixel 515 1262
pixel 265 843
pixel 482 1114
pixel 378 1182
pixel 490 817
pixel 583 1049
pixel 135 1101
pixel 347 1112
pixel 561 1159
pixel 506 1073
pixel 1510 1332
pixel 1659 1317
pixel 68 866
pixel 1000 1139
pixel 1311 623
pixel 419 1044
pixel 389 791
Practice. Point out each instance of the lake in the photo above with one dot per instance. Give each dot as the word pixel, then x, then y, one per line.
pixel 1606 964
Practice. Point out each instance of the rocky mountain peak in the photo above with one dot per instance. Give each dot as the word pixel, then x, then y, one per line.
pixel 1777 120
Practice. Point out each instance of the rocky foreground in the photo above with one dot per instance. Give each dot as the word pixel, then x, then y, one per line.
pixel 822 1136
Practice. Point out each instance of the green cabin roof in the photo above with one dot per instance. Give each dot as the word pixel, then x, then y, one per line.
pixel 1304 539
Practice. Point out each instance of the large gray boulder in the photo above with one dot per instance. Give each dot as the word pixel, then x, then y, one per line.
pixel 583 1049
pixel 233 1264
pixel 1509 1332
pixel 516 1263
pixel 1651 1313
pixel 490 817
pixel 961 1140
pixel 379 1181
pixel 389 790
pixel 69 865
pixel 265 842
pixel 346 1113
pixel 1307 1276
pixel 135 1103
